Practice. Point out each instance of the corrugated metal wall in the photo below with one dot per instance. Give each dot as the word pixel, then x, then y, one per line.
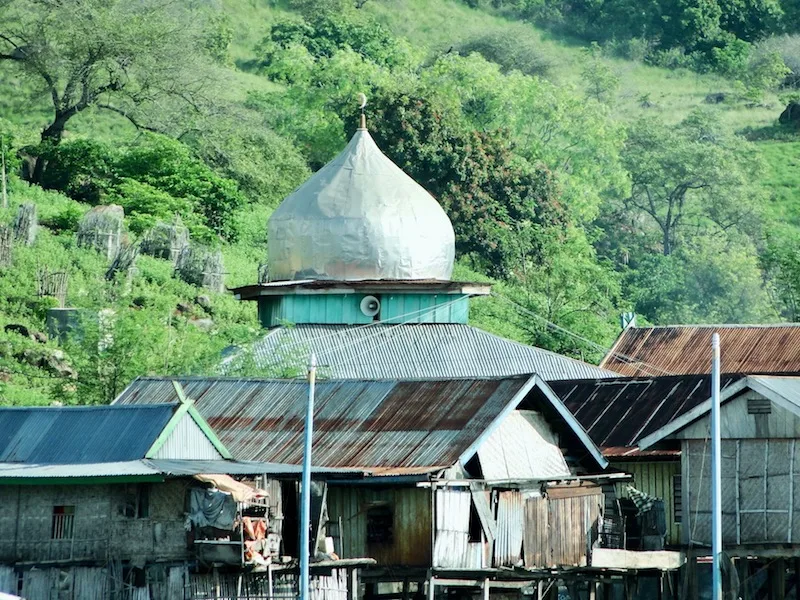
pixel 452 547
pixel 187 441
pixel 656 479
pixel 510 529
pixel 412 520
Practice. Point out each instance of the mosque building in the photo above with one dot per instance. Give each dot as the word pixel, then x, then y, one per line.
pixel 360 265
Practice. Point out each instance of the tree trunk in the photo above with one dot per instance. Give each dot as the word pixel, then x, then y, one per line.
pixel 667 241
pixel 51 135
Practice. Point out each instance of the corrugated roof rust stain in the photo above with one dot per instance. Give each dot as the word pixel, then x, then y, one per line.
pixel 618 413
pixel 684 350
pixel 395 426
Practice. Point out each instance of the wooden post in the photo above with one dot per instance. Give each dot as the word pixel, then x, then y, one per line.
pixel 592 590
pixel 743 572
pixel 431 586
pixel 486 586
pixel 353 583
pixel 691 566
pixel 406 589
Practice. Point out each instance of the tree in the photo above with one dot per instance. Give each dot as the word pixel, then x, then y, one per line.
pixel 601 81
pixel 498 202
pixel 695 173
pixel 131 58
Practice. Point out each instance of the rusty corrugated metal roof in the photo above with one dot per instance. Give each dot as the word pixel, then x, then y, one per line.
pixel 390 426
pixel 617 413
pixel 686 349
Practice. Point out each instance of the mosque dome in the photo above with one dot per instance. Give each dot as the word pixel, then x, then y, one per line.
pixel 360 217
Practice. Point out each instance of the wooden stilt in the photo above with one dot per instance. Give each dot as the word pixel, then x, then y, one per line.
pixel 431 587
pixel 743 572
pixel 486 586
pixel 691 566
pixel 406 589
pixel 352 584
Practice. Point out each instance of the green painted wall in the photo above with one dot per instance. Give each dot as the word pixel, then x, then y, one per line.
pixel 344 309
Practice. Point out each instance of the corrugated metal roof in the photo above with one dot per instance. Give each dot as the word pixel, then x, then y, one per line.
pixel 80 435
pixel 617 413
pixel 150 468
pixel 686 349
pixel 391 426
pixel 413 351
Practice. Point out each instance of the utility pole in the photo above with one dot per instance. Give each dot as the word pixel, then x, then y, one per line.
pixel 716 475
pixel 305 489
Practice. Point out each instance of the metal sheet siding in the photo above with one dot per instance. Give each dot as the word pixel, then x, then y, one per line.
pixel 452 548
pixel 412 518
pixel 679 350
pixel 413 351
pixel 80 435
pixel 187 441
pixel 510 529
pixel 522 447
pixel 393 425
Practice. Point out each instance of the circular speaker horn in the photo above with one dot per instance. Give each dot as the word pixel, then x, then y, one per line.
pixel 370 306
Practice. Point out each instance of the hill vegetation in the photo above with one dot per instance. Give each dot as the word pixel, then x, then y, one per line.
pixel 594 160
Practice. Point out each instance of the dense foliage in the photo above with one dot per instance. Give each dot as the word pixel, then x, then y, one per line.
pixel 579 196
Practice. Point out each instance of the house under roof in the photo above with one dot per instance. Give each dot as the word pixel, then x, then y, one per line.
pixel 617 413
pixel 686 349
pixel 411 350
pixel 389 427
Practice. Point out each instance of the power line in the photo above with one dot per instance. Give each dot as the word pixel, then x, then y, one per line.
pixel 591 343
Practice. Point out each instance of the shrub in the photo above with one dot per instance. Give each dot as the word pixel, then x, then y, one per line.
pixel 510 53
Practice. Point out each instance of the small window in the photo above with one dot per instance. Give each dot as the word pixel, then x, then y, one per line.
pixel 380 525
pixel 136 502
pixel 758 406
pixel 475 529
pixel 63 524
pixel 677 501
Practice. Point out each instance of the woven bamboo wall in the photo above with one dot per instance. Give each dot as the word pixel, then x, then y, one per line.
pixel 760 491
pixel 100 530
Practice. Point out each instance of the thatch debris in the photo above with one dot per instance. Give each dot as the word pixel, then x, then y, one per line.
pixel 124 262
pixel 101 229
pixel 6 245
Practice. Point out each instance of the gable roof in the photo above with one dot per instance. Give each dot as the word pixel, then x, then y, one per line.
pixel 686 349
pixel 382 426
pixel 420 350
pixel 80 435
pixel 617 413
pixel 783 391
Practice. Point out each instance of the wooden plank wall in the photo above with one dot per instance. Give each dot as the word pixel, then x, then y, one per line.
pixel 412 522
pixel 654 478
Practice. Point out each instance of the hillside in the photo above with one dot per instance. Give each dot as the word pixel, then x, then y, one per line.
pixel 541 147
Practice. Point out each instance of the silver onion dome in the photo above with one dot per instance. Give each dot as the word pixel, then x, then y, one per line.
pixel 360 217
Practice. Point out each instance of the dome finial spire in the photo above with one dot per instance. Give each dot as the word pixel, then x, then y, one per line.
pixel 362 103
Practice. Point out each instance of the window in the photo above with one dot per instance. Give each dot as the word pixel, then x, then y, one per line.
pixel 63 524
pixel 136 502
pixel 758 406
pixel 380 524
pixel 677 500
pixel 475 529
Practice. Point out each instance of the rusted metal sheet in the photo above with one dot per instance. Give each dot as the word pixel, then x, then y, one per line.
pixel 452 547
pixel 396 427
pixel 680 350
pixel 558 529
pixel 510 529
pixel 411 523
pixel 617 413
